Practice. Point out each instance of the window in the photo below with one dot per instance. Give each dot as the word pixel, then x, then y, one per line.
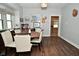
pixel 9 26
pixel 0 16
pixel 1 22
pixel 55 24
pixel 8 16
pixel 6 19
pixel 0 25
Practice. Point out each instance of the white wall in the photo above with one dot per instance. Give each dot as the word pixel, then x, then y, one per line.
pixel 39 12
pixel 2 6
pixel 21 12
pixel 70 25
pixel 16 20
pixel 18 15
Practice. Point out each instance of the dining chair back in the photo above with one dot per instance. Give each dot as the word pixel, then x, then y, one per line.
pixel 7 37
pixel 23 43
pixel 17 30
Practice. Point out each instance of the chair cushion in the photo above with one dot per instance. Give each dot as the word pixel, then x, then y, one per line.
pixel 17 31
pixel 11 44
pixel 35 41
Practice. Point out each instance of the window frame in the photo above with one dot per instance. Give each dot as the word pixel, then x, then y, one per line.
pixel 9 20
pixel 2 22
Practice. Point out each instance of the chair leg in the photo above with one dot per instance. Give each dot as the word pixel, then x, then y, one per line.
pixel 23 54
pixel 39 46
pixel 30 53
pixel 41 43
pixel 16 54
pixel 5 51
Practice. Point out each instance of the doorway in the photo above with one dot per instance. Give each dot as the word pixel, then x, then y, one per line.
pixel 54 25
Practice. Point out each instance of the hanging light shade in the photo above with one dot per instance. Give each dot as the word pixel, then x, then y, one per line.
pixel 44 4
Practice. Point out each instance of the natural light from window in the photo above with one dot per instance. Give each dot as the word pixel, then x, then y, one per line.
pixel 55 24
pixel 8 16
pixel 9 24
pixel 0 16
pixel 8 21
pixel 0 25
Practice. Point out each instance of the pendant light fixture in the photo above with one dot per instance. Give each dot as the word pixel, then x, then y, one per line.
pixel 43 4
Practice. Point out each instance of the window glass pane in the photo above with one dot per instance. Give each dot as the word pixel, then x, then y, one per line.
pixel 0 16
pixel 55 24
pixel 8 16
pixel 9 24
pixel 0 25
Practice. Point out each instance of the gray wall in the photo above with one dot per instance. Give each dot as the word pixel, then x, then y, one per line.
pixel 70 25
pixel 39 12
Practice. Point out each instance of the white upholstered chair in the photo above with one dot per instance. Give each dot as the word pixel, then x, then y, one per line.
pixel 7 39
pixel 17 30
pixel 23 43
pixel 29 30
pixel 37 41
pixel 38 30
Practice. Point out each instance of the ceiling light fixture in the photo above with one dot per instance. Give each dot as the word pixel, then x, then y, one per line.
pixel 44 4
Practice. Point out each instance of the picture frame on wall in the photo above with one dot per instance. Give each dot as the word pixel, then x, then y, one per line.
pixel 36 18
pixel 74 12
pixel 21 19
pixel 43 19
pixel 36 24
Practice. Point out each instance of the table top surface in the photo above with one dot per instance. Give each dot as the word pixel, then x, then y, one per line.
pixel 33 34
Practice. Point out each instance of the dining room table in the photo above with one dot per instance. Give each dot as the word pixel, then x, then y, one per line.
pixel 33 34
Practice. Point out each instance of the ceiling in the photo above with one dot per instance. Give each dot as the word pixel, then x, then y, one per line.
pixel 38 5
pixel 16 6
pixel 12 6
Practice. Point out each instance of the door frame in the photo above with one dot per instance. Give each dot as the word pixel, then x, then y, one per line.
pixel 58 24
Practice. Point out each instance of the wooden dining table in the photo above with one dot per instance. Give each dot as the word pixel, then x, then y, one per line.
pixel 33 34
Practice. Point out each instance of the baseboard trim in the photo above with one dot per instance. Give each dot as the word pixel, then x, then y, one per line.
pixel 46 35
pixel 77 46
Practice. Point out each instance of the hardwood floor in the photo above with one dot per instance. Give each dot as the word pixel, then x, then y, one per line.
pixel 54 32
pixel 51 46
